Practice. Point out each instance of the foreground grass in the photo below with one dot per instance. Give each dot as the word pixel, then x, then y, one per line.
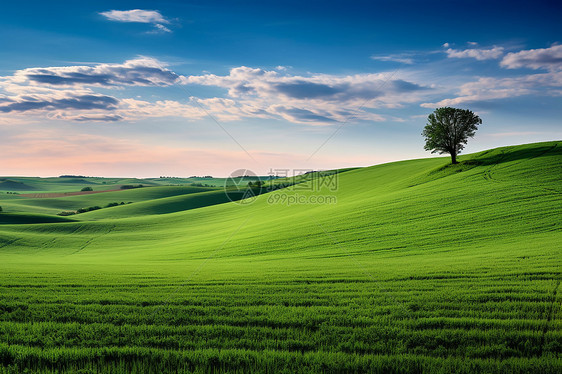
pixel 419 267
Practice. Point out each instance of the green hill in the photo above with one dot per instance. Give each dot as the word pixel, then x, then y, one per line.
pixel 163 205
pixel 72 203
pixel 11 185
pixel 29 218
pixel 76 183
pixel 412 266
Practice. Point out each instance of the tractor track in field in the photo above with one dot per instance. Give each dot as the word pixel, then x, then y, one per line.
pixel 52 241
pixel 9 242
pixel 49 243
pixel 549 317
pixel 487 174
pixel 89 241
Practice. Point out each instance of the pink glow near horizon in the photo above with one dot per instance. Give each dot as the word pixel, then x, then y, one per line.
pixel 52 155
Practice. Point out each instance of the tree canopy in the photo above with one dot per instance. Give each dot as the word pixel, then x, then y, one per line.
pixel 448 130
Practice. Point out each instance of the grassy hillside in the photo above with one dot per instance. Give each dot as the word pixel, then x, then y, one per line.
pixel 413 266
pixel 67 203
pixel 26 185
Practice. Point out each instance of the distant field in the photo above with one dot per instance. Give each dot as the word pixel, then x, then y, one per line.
pixel 33 185
pixel 419 266
pixel 63 194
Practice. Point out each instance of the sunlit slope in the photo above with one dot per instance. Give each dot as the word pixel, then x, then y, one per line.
pixel 503 197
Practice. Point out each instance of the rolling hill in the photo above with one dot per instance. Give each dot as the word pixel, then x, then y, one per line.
pixel 66 203
pixel 412 266
pixel 11 185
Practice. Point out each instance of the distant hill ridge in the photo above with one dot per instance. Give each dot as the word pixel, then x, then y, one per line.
pixel 10 185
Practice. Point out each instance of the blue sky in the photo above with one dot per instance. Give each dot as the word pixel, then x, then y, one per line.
pixel 189 88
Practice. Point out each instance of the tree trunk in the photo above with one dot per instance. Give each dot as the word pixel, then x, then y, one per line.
pixel 454 158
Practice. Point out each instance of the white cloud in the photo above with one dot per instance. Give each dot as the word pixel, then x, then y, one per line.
pixel 489 88
pixel 500 88
pixel 313 99
pixel 474 44
pixel 479 54
pixel 544 58
pixel 139 16
pixel 69 93
pixel 243 82
pixel 84 105
pixel 135 15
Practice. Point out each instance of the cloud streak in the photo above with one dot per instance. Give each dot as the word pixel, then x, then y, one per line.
pixel 42 102
pixel 476 53
pixel 67 93
pixel 402 58
pixel 315 98
pixel 501 88
pixel 491 88
pixel 141 71
pixel 543 58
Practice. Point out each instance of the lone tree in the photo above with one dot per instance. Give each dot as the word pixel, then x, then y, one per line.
pixel 448 130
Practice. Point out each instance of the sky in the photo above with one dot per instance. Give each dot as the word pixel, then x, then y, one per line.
pixel 181 88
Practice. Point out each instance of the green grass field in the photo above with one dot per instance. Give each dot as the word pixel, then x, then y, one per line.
pixel 419 266
pixel 27 185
